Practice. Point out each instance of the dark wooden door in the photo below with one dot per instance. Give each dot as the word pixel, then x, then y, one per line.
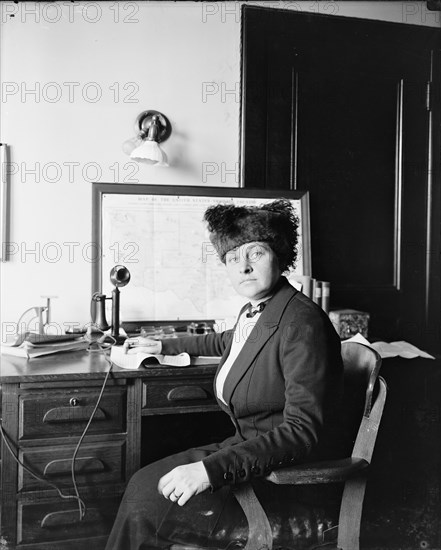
pixel 349 110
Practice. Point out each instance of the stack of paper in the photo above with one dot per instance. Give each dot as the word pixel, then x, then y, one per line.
pixel 24 348
pixel 392 349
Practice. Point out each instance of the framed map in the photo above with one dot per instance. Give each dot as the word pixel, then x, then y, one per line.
pixel 157 232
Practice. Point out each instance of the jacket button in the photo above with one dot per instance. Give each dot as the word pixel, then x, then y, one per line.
pixel 228 476
pixel 292 460
pixel 281 463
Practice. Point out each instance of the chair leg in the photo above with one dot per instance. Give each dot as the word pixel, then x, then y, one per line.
pixel 259 529
pixel 350 514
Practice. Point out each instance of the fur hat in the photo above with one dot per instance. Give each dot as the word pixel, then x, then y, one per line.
pixel 275 223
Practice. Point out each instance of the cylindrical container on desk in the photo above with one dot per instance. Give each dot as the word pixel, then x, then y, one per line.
pixel 349 322
pixel 169 331
pixel 199 328
pixel 326 294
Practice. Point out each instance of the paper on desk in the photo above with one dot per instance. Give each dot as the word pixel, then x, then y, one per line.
pixel 31 351
pixel 135 357
pixel 401 348
pixel 392 349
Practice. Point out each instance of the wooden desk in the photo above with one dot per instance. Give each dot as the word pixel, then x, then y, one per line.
pixel 402 505
pixel 46 403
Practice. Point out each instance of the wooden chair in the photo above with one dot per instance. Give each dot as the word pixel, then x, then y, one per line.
pixel 361 367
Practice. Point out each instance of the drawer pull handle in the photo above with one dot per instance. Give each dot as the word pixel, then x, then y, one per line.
pixel 83 465
pixel 184 393
pixel 72 414
pixel 68 517
pixel 74 402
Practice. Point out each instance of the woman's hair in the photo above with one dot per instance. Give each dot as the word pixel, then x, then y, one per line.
pixel 274 223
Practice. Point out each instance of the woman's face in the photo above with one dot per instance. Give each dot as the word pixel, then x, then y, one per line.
pixel 253 270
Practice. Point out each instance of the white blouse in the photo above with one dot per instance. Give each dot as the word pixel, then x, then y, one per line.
pixel 243 329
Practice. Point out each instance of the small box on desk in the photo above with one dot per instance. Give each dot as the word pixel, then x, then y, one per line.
pixel 348 322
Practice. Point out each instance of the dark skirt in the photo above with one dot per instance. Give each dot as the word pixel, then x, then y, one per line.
pixel 148 521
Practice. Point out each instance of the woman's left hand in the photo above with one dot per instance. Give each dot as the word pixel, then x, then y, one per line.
pixel 183 482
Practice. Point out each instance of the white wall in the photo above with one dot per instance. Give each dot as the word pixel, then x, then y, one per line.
pixel 94 66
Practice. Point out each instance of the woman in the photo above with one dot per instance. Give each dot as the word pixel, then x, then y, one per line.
pixel 280 369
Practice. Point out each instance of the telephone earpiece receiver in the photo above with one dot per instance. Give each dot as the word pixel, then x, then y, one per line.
pixel 119 275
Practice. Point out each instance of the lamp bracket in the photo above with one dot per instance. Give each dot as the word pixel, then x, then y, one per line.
pixel 144 121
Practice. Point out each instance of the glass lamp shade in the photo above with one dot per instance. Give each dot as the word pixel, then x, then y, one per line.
pixel 129 145
pixel 150 152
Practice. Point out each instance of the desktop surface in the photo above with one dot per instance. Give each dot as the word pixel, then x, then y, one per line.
pixel 71 365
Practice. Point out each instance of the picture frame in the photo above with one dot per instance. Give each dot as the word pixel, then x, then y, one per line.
pixel 156 231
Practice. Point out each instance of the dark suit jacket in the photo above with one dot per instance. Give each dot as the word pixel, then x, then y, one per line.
pixel 287 378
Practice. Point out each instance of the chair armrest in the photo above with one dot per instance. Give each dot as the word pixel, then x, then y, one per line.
pixel 329 471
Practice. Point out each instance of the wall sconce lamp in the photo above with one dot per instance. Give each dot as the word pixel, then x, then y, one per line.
pixel 153 128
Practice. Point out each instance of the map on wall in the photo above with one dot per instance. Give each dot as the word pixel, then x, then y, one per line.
pixel 175 272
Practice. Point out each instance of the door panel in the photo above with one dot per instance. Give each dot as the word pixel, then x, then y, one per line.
pixel 338 106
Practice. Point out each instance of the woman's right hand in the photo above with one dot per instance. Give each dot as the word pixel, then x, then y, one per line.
pixel 133 345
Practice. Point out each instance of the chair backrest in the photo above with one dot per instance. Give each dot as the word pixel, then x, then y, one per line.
pixel 345 412
pixel 362 366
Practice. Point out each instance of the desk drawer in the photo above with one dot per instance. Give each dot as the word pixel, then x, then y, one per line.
pixel 175 394
pixel 95 463
pixel 59 520
pixel 64 413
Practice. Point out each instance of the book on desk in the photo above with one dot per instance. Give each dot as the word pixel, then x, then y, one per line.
pixel 31 345
pixel 137 357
